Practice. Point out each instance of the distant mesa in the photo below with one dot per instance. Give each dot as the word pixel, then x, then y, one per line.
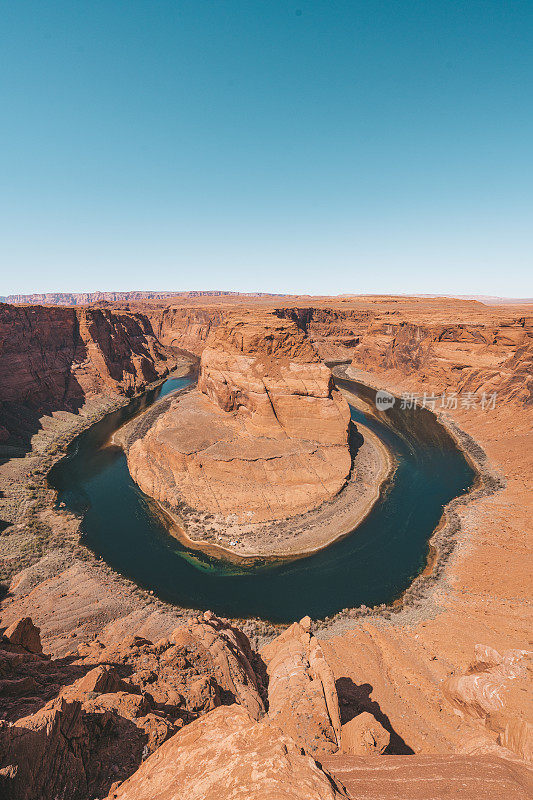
pixel 88 298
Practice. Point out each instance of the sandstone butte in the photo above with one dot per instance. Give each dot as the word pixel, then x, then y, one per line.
pixel 264 437
pixel 135 691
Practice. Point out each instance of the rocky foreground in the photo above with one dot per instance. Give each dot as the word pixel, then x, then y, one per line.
pixel 199 715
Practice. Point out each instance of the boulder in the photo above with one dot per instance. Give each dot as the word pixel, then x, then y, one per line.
pixel 203 695
pixel 364 736
pixel 25 634
pixel 101 679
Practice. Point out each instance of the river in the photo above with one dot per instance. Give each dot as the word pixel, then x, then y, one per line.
pixel 373 565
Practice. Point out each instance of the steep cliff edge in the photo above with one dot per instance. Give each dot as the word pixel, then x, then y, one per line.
pixel 458 357
pixel 54 358
pixel 482 594
pixel 451 344
pixel 185 327
pixel 265 436
pixel 267 371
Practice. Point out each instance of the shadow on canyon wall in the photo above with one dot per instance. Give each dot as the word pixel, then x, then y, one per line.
pixel 355 440
pixel 22 421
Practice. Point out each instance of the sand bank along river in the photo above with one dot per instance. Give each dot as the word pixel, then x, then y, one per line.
pixel 372 565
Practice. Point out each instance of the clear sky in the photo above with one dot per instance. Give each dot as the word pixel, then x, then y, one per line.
pixel 315 146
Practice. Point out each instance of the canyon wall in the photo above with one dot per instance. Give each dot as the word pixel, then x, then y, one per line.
pixel 446 677
pixel 185 327
pixel 334 332
pixel 481 602
pixel 456 346
pixel 54 358
pixel 461 358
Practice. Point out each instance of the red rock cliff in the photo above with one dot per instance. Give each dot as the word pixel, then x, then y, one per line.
pixel 54 358
pixel 268 371
pixel 457 357
pixel 185 327
pixel 264 438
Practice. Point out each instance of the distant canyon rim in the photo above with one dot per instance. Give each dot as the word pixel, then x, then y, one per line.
pixel 446 677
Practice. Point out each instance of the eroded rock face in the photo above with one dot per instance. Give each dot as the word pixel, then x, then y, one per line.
pixel 264 438
pixel 199 666
pixel 42 755
pixel 72 727
pixel 133 719
pixel 52 354
pixel 439 343
pixel 24 633
pixel 301 689
pixel 460 357
pixel 267 370
pixel 55 357
pixel 185 327
pixel 77 727
pixel 496 690
pixel 228 755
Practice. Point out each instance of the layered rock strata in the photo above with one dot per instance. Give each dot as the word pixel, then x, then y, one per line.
pixel 442 343
pixel 185 327
pixel 464 358
pixel 430 777
pixel 56 358
pixel 399 671
pixel 495 690
pixel 265 436
pixel 61 354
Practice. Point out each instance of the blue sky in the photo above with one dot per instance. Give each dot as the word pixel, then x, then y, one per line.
pixel 310 147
